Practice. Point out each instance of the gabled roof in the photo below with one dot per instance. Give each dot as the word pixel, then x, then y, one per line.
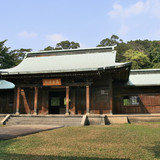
pixel 144 77
pixel 63 61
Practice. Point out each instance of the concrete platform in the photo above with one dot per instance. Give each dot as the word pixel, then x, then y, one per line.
pixel 8 132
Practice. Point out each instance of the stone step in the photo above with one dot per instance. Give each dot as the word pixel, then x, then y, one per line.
pixel 41 121
pixel 48 119
pixel 24 120
pixel 29 123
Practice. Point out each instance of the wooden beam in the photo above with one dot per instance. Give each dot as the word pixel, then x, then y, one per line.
pixel 87 100
pixel 62 86
pixel 67 100
pixel 35 99
pixel 18 100
pixel 25 102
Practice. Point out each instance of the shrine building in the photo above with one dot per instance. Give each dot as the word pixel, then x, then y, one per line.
pixel 77 82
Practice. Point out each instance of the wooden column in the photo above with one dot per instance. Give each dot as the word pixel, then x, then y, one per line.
pixel 87 100
pixel 18 100
pixel 67 100
pixel 110 96
pixel 73 100
pixel 14 101
pixel 35 99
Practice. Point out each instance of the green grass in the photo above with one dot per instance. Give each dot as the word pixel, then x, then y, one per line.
pixel 128 141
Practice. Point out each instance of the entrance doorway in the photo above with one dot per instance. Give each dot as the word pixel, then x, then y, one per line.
pixel 57 102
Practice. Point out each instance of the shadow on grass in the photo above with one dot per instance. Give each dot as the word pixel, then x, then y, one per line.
pixel 50 157
pixel 5 146
pixel 155 149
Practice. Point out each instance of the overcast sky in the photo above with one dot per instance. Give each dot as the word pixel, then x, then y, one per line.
pixel 37 24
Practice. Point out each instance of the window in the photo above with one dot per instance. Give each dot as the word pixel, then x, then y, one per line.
pixel 130 100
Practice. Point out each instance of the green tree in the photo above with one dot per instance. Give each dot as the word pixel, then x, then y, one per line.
pixel 154 53
pixel 18 54
pixel 67 45
pixel 121 47
pixel 6 57
pixel 139 59
pixel 49 48
pixel 112 41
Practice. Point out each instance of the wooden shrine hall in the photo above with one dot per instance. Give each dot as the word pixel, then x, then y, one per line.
pixel 77 81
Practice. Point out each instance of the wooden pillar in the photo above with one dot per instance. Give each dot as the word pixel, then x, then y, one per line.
pixel 110 96
pixel 87 100
pixel 18 100
pixel 14 101
pixel 73 100
pixel 35 99
pixel 67 100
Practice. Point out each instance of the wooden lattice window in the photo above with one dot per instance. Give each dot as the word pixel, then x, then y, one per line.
pixel 130 100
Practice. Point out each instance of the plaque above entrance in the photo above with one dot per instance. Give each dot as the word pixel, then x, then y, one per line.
pixel 52 82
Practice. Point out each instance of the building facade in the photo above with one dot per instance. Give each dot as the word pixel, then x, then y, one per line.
pixel 78 81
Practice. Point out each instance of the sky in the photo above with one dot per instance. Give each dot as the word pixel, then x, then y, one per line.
pixel 37 24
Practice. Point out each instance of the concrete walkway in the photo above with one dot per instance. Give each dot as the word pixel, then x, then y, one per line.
pixel 8 132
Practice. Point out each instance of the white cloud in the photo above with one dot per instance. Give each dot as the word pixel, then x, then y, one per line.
pixel 117 9
pixel 125 15
pixel 27 34
pixel 148 7
pixel 120 11
pixel 56 38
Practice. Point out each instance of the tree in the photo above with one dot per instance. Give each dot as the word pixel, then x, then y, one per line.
pixel 67 45
pixel 121 47
pixel 49 48
pixel 6 58
pixel 18 54
pixel 112 41
pixel 139 59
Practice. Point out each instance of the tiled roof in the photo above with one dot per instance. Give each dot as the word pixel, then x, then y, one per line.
pixel 72 61
pixel 144 77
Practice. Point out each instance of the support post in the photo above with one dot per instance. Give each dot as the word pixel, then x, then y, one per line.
pixel 67 100
pixel 111 96
pixel 87 100
pixel 18 100
pixel 73 99
pixel 35 100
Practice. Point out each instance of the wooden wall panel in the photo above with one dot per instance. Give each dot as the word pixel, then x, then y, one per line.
pixel 43 100
pixel 81 100
pixel 149 100
pixel 99 100
pixel 6 101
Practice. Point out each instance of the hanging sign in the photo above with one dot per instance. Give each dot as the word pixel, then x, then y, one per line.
pixel 52 82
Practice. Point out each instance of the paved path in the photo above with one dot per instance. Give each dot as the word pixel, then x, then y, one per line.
pixel 8 132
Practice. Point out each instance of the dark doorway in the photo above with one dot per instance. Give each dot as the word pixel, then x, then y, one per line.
pixel 57 102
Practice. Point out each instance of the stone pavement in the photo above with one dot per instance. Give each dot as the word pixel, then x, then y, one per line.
pixel 8 132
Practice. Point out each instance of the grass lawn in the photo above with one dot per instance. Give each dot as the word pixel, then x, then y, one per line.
pixel 127 141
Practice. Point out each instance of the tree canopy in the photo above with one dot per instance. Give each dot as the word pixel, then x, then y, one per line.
pixel 63 45
pixel 10 58
pixel 146 51
pixel 6 56
pixel 143 53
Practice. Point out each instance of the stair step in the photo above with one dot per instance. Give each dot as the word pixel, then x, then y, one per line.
pixel 53 120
